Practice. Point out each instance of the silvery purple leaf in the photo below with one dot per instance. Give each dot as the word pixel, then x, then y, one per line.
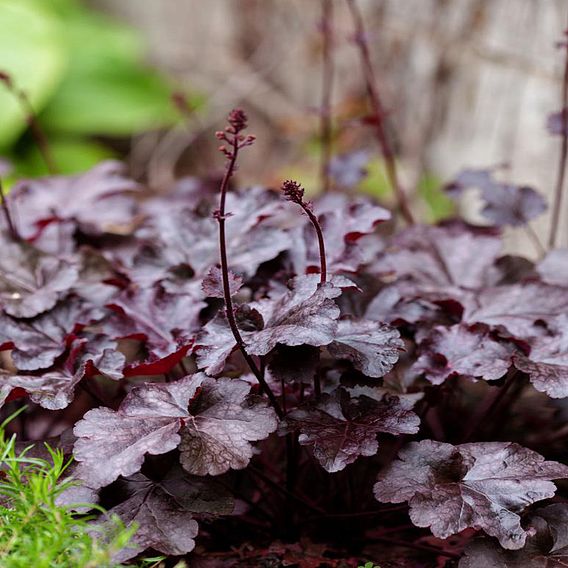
pixel 503 204
pixel 547 363
pixel 225 419
pixel 339 429
pixel 372 347
pixel 482 485
pixel 99 200
pixel 546 548
pixel 163 523
pixel 111 443
pixel 39 341
pixel 522 309
pixel 553 268
pixel 305 315
pixel 461 350
pixel 31 282
pixel 213 283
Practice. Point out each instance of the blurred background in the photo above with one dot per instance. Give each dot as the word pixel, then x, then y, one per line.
pixel 466 83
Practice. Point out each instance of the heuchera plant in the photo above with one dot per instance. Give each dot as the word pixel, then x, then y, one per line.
pixel 248 373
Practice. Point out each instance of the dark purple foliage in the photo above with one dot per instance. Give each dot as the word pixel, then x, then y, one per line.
pixel 211 398
pixel 482 485
pixel 348 170
pixel 340 428
pixel 504 204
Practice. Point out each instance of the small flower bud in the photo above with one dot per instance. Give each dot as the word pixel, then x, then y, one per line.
pixel 293 191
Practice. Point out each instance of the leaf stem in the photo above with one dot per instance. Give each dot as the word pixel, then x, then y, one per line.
pixel 237 141
pixel 559 190
pixel 327 88
pixel 490 404
pixel 373 95
pixel 285 491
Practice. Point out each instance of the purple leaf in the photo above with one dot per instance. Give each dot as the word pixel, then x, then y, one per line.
pixel 39 341
pixel 213 283
pixel 372 347
pixel 546 548
pixel 512 205
pixel 226 418
pixel 348 170
pixel 163 523
pixel 462 350
pixel 254 219
pixel 553 268
pixel 214 345
pixel 305 315
pixel 339 428
pixel 344 222
pixel 100 200
pixel 481 485
pixel 112 443
pixel 100 353
pixel 441 260
pixel 519 308
pixel 203 496
pixel 556 123
pixel 547 364
pixel 165 322
pixel 53 389
pixel 31 282
pixel 504 204
pixel 215 432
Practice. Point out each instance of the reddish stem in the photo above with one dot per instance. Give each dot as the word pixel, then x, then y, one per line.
pixel 373 95
pixel 294 192
pixel 236 145
pixel 327 87
pixel 559 190
pixel 321 242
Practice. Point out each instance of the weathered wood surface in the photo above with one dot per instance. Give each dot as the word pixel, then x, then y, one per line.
pixel 467 82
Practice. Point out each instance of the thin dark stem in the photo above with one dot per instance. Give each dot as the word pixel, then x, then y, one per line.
pixel 285 491
pixel 294 192
pixel 358 515
pixel 414 546
pixel 327 88
pixel 9 221
pixel 489 406
pixel 559 190
pixel 35 128
pixel 373 95
pixel 321 242
pixel 229 310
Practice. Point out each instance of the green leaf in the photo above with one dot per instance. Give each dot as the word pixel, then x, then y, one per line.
pixel 376 183
pixel 440 206
pixel 72 155
pixel 32 51
pixel 107 90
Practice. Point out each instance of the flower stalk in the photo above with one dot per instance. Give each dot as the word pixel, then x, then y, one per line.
pixel 234 141
pixel 294 192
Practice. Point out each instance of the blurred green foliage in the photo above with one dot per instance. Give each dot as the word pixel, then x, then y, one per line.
pixel 85 77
